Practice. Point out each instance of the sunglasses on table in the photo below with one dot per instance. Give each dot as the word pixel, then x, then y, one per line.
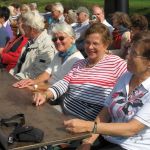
pixel 61 38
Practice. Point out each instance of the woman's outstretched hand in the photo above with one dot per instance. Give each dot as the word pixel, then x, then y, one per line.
pixel 78 125
pixel 23 83
pixel 39 98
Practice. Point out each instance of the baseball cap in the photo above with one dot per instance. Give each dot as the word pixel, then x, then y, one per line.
pixel 82 9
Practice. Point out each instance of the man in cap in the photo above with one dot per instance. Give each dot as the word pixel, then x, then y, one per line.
pixel 81 26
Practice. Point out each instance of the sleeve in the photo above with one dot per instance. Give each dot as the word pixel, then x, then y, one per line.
pixel 52 64
pixel 49 70
pixel 41 59
pixel 13 71
pixel 12 56
pixel 3 41
pixel 121 68
pixel 120 84
pixel 59 88
pixel 143 115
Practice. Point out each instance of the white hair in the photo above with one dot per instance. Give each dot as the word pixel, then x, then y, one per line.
pixel 58 6
pixel 63 27
pixel 33 5
pixel 34 20
pixel 11 8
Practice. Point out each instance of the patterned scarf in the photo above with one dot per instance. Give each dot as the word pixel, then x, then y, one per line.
pixel 68 53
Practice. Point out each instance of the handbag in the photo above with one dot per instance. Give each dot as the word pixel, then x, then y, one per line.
pixel 26 134
pixel 16 120
pixel 3 141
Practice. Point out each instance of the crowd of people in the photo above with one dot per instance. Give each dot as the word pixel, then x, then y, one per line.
pixel 94 71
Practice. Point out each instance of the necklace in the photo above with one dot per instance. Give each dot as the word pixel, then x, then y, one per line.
pixel 88 65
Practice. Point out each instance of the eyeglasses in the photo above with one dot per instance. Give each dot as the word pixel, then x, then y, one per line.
pixel 96 14
pixel 133 53
pixel 53 11
pixel 61 38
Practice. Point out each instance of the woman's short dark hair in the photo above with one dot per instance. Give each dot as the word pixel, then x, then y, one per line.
pixel 4 12
pixel 102 30
pixel 139 21
pixel 143 39
pixel 122 19
pixel 48 7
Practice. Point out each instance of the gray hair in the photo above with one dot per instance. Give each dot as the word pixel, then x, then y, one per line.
pixel 34 20
pixel 63 27
pixel 33 5
pixel 58 6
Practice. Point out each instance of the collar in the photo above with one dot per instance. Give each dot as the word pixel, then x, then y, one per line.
pixel 104 21
pixel 146 83
pixel 86 22
pixel 5 24
pixel 61 19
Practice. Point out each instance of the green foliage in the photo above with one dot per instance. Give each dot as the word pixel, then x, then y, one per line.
pixel 138 6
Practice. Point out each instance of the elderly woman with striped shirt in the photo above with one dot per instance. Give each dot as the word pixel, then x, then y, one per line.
pixel 90 81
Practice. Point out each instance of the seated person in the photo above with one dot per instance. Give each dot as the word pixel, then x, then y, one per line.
pixel 13 49
pixel 4 38
pixel 57 16
pixel 90 80
pixel 63 38
pixel 4 20
pixel 139 23
pixel 39 51
pixel 121 34
pixel 98 15
pixel 80 27
pixel 124 122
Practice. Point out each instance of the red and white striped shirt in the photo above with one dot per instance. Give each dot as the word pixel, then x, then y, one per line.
pixel 87 88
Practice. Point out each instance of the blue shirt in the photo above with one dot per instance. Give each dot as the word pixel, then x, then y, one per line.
pixel 4 37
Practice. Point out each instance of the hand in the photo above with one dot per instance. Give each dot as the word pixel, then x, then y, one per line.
pixel 78 125
pixel 39 99
pixel 24 83
pixel 84 146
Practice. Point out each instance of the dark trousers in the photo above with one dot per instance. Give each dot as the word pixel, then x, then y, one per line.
pixel 105 145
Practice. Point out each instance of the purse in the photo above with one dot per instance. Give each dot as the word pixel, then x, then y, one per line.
pixel 27 134
pixel 3 141
pixel 13 121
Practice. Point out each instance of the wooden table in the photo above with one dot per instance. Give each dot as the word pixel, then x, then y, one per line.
pixel 46 118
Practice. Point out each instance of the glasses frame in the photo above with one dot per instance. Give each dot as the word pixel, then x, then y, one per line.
pixel 133 53
pixel 60 38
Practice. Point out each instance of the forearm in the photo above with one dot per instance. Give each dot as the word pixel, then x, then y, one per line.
pixel 42 77
pixel 1 49
pixel 119 129
pixel 91 139
pixel 49 94
pixel 104 117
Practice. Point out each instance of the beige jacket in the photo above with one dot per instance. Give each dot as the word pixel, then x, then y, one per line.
pixel 37 59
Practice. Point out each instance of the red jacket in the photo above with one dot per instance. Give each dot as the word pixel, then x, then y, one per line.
pixel 12 51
